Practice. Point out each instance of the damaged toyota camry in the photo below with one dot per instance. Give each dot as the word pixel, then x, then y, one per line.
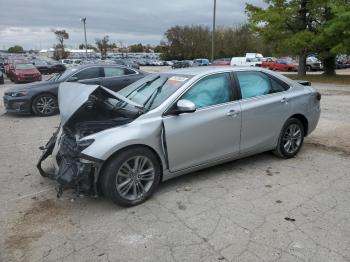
pixel 122 145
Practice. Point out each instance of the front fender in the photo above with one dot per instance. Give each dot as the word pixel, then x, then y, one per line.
pixel 146 132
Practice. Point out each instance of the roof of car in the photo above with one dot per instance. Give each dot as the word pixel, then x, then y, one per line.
pixel 101 64
pixel 208 69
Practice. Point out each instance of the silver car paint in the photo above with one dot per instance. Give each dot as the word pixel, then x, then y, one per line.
pixel 186 152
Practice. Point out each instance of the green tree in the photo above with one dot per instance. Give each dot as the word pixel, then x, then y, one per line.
pixel 89 46
pixel 136 48
pixel 15 49
pixel 299 27
pixel 190 42
pixel 287 25
pixel 334 35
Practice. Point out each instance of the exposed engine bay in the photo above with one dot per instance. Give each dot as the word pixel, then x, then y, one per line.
pixel 99 112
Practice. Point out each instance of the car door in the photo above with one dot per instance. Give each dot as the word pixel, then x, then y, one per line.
pixel 265 106
pixel 210 133
pixel 89 75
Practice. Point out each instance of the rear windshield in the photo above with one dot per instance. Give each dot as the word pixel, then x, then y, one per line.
pixel 24 66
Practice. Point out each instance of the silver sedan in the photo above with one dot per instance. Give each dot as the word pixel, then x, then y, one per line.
pixel 122 145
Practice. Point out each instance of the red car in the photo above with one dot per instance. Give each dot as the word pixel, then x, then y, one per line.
pixel 282 64
pixel 221 62
pixel 25 73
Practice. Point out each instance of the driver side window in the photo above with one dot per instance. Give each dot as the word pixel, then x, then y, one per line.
pixel 211 90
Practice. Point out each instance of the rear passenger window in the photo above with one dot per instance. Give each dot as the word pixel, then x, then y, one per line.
pixel 113 71
pixel 254 84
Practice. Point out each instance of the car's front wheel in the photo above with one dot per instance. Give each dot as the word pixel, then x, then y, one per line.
pixel 291 139
pixel 45 105
pixel 131 176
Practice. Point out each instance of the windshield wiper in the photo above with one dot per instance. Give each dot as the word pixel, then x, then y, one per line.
pixel 153 96
pixel 143 86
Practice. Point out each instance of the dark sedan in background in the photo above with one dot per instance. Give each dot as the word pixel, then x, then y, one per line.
pixel 41 98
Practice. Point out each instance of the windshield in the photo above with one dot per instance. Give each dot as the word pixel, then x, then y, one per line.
pixel 24 66
pixel 153 90
pixel 63 75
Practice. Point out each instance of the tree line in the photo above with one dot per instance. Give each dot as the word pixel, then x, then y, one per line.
pixel 188 42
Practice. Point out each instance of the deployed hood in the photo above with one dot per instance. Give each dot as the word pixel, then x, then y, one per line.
pixel 71 96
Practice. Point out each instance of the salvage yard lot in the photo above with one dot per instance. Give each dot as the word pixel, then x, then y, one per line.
pixel 259 208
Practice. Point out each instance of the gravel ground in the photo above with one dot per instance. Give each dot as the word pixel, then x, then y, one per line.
pixel 259 208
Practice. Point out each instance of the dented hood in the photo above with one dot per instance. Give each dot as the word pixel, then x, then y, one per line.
pixel 71 96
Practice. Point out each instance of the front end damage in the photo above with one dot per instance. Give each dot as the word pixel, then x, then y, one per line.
pixel 89 110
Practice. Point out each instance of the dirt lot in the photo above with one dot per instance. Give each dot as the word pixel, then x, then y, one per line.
pixel 256 209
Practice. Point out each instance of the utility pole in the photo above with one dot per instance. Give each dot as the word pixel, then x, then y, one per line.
pixel 213 33
pixel 84 23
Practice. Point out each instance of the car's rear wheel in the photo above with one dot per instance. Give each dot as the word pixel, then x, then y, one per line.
pixel 45 105
pixel 291 139
pixel 131 176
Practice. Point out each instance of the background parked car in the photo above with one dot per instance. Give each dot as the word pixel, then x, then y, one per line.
pixel 313 64
pixel 200 62
pixel 56 67
pixel 25 73
pixel 282 64
pixel 221 62
pixel 2 80
pixel 41 98
pixel 182 64
pixel 42 66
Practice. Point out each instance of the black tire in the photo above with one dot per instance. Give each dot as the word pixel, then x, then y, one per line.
pixel 308 68
pixel 110 176
pixel 52 105
pixel 281 150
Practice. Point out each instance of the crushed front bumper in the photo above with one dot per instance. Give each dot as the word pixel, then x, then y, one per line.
pixel 74 169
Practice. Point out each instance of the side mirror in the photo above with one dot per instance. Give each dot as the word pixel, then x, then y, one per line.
pixel 185 106
pixel 72 79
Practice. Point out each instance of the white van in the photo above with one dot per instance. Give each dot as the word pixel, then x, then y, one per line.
pixel 243 61
pixel 250 59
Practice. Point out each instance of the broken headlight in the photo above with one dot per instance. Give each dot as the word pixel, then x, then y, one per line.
pixel 82 144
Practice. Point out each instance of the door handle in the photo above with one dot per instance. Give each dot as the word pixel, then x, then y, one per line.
pixel 232 113
pixel 284 100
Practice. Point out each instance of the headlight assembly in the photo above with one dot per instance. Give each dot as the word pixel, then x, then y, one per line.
pixel 19 93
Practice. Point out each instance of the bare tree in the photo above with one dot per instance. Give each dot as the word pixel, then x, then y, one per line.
pixel 103 45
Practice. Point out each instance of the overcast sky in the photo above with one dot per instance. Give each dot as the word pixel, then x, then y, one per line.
pixel 30 22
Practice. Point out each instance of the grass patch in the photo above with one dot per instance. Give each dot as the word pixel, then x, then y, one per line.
pixel 336 79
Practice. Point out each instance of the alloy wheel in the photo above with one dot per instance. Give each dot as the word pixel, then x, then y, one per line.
pixel 46 105
pixel 135 177
pixel 292 138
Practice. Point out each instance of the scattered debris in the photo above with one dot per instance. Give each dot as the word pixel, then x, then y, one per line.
pixel 187 188
pixel 268 172
pixel 180 205
pixel 29 174
pixel 279 201
pixel 289 219
pixel 100 255
pixel 221 258
pixel 269 186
